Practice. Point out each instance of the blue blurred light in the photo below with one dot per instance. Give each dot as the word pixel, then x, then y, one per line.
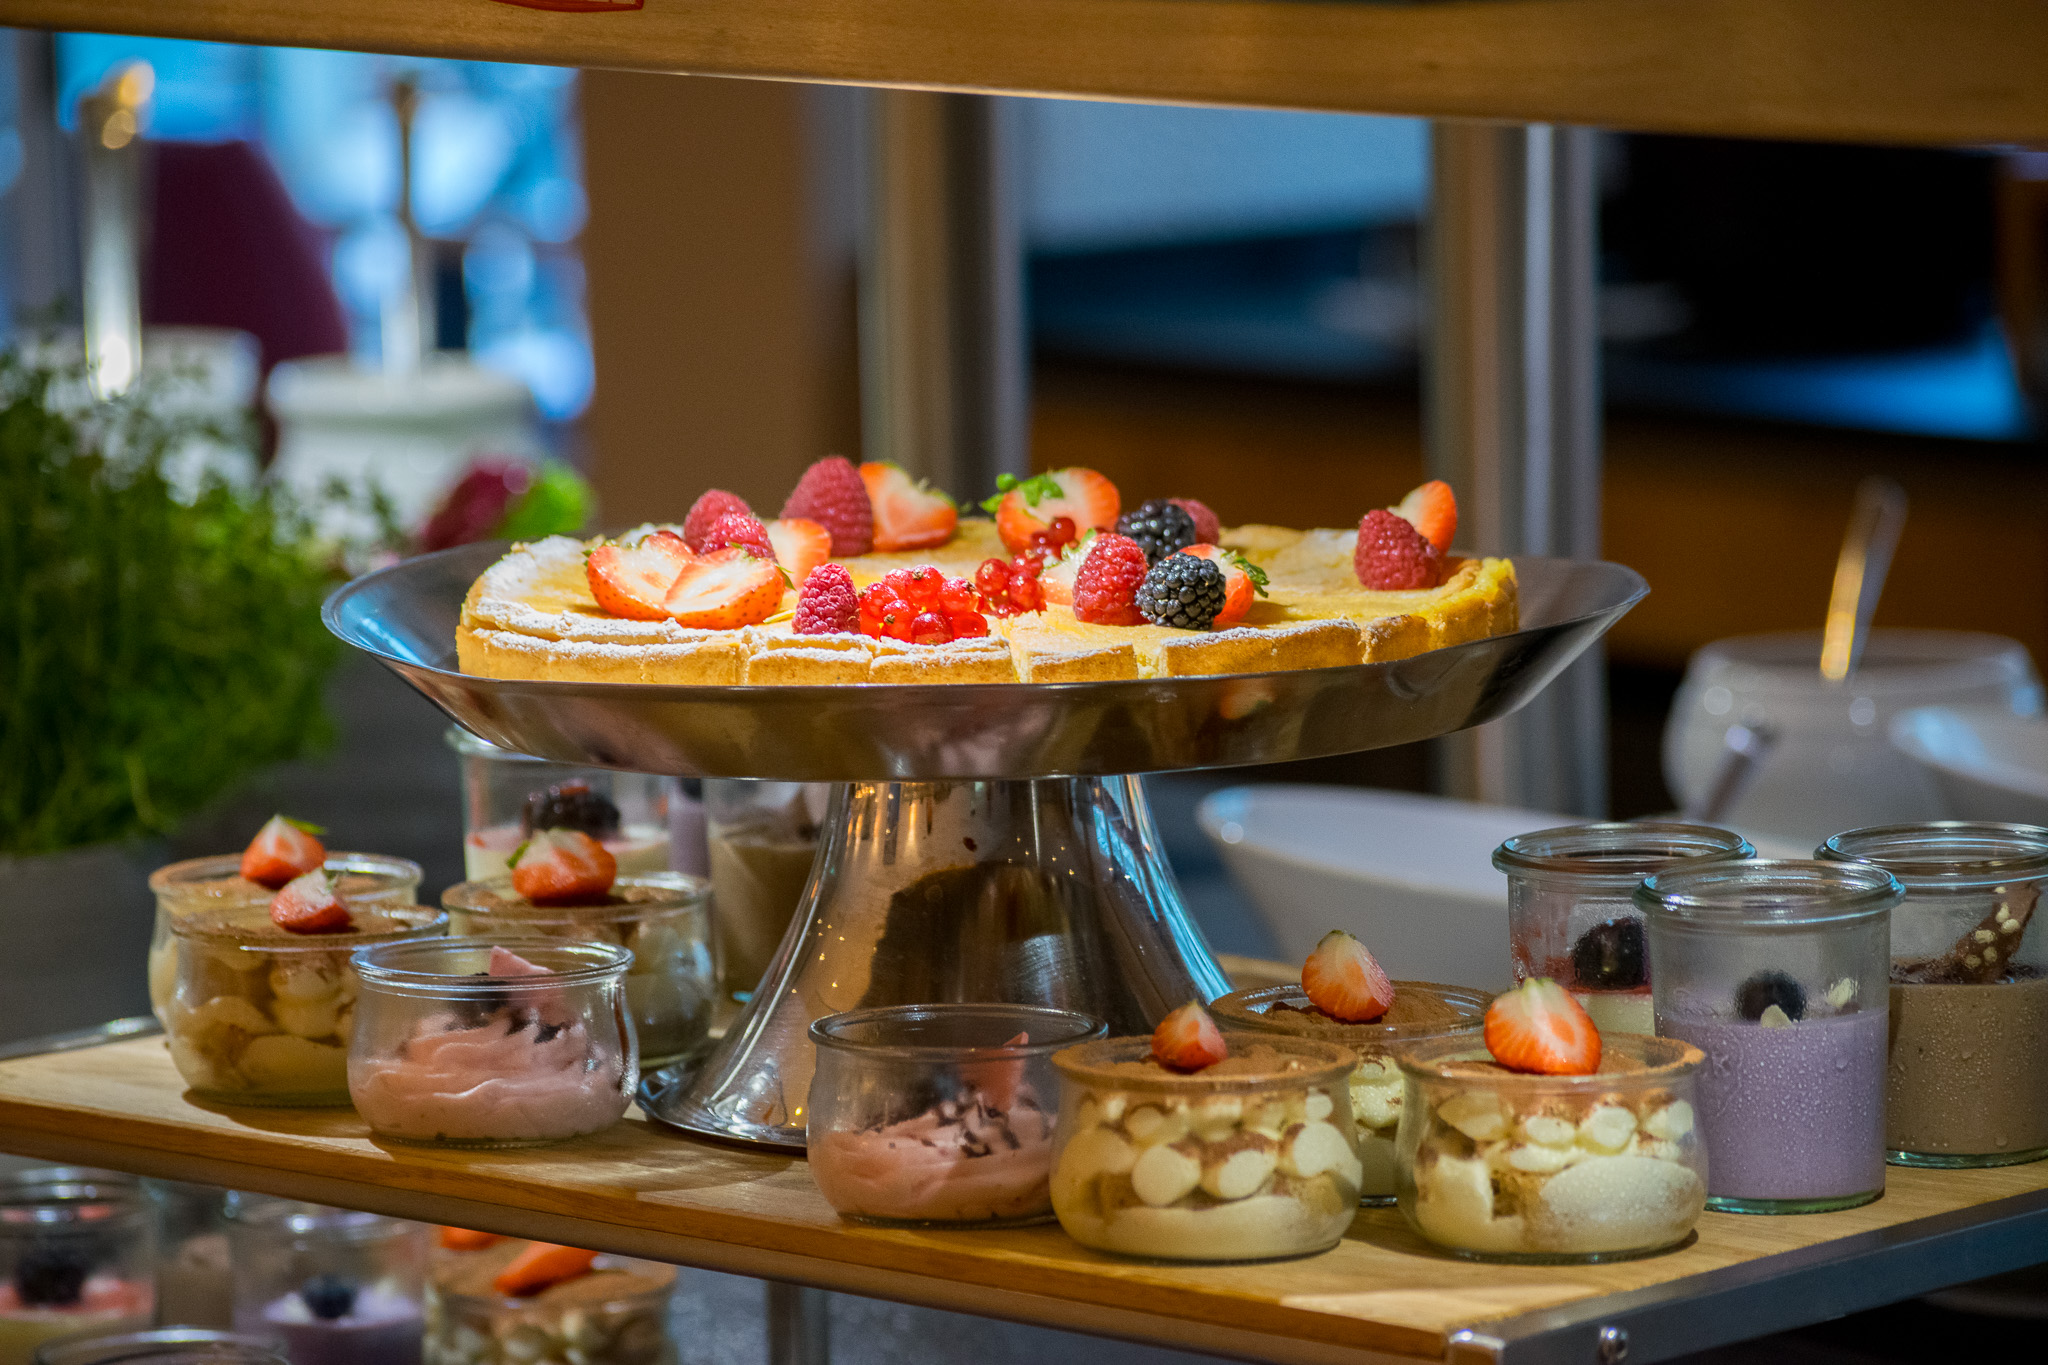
pixel 205 92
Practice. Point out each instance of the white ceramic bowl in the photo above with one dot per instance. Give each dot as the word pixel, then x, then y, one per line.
pixel 1411 875
pixel 1988 763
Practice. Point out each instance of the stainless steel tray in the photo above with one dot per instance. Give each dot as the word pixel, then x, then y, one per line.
pixel 406 616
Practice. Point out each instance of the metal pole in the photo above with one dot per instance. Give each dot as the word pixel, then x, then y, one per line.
pixel 109 125
pixel 944 360
pixel 799 1324
pixel 1513 413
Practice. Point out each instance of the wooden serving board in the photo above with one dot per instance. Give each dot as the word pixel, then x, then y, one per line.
pixel 647 1191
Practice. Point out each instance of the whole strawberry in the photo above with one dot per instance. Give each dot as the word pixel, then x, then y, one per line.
pixel 1393 555
pixel 1106 585
pixel 742 529
pixel 706 511
pixel 826 604
pixel 832 493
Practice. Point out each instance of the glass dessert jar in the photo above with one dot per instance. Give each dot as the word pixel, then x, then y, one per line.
pixel 337 1287
pixel 194 1287
pixel 1569 913
pixel 1421 1010
pixel 1503 1165
pixel 613 1313
pixel 76 1247
pixel 1967 1081
pixel 261 1015
pixel 492 1042
pixel 506 796
pixel 1777 972
pixel 664 918
pixel 761 838
pixel 1251 1158
pixel 368 880
pixel 939 1114
pixel 165 1346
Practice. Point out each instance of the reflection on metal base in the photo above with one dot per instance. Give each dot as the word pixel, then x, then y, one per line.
pixel 1048 892
pixel 799 1324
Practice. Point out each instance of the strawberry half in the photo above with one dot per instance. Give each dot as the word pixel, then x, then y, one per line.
pixel 724 590
pixel 1056 580
pixel 283 849
pixel 308 905
pixel 1242 581
pixel 1344 981
pixel 910 514
pixel 633 580
pixel 1026 507
pixel 561 867
pixel 800 546
pixel 1188 1039
pixel 1431 509
pixel 1538 1027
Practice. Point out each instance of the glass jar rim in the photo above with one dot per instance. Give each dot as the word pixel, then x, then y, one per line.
pixel 47 1199
pixel 217 926
pixel 1617 853
pixel 303 1218
pixel 1769 893
pixel 1895 657
pixel 218 865
pixel 1236 1010
pixel 398 967
pixel 1430 1060
pixel 829 1031
pixel 689 890
pixel 163 1346
pixel 1332 1063
pixel 1940 855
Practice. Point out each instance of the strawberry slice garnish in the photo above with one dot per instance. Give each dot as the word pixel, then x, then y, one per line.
pixel 1026 507
pixel 562 867
pixel 800 546
pixel 1433 510
pixel 283 849
pixel 724 590
pixel 467 1239
pixel 1538 1027
pixel 1343 981
pixel 1242 581
pixel 910 514
pixel 505 962
pixel 308 905
pixel 633 580
pixel 1188 1039
pixel 1056 580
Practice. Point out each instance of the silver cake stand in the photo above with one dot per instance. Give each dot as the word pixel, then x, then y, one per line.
pixel 987 842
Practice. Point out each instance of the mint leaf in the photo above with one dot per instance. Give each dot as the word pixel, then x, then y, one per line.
pixel 1036 489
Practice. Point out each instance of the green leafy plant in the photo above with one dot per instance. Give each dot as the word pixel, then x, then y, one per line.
pixel 157 644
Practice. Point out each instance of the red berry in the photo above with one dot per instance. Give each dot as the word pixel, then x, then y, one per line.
pixel 930 628
pixel 706 511
pixel 1106 585
pixel 924 585
pixel 1188 1040
pixel 832 493
pixel 741 529
pixel 993 577
pixel 826 604
pixel 898 620
pixel 969 624
pixel 1027 565
pixel 1025 594
pixel 1062 531
pixel 898 582
pixel 1393 555
pixel 957 595
pixel 1206 526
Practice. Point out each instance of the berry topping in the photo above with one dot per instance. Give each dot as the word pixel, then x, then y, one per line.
pixel 924 606
pixel 826 605
pixel 1159 527
pixel 800 546
pixel 1188 1039
pixel 1106 584
pixel 741 529
pixel 1024 508
pixel 563 867
pixel 968 625
pixel 725 589
pixel 283 849
pixel 632 580
pixel 909 513
pixel 930 628
pixel 1433 510
pixel 1242 581
pixel 1611 956
pixel 1056 581
pixel 832 493
pixel 328 1297
pixel 540 1265
pixel 705 512
pixel 1538 1027
pixel 1343 981
pixel 1182 591
pixel 308 905
pixel 957 595
pixel 1768 988
pixel 1392 554
pixel 51 1276
pixel 569 805
pixel 1207 528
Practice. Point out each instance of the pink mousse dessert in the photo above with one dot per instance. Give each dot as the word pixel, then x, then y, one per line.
pixel 535 1048
pixel 961 1161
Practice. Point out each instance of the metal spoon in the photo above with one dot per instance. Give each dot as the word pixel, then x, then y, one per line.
pixel 1744 749
pixel 1874 525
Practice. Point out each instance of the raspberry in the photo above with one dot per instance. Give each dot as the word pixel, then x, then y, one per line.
pixel 1183 591
pixel 706 511
pixel 1159 527
pixel 1392 554
pixel 832 494
pixel 1207 528
pixel 1106 586
pixel 742 529
pixel 826 604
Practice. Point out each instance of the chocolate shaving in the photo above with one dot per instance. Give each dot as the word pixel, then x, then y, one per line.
pixel 1984 953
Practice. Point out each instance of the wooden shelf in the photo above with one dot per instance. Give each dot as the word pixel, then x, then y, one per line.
pixel 1873 70
pixel 1381 1295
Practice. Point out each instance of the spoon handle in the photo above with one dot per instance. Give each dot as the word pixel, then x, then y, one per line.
pixel 1874 525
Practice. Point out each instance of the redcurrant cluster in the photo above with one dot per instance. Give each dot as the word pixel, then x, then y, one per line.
pixel 923 606
pixel 1011 586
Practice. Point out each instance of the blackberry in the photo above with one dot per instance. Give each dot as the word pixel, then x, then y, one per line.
pixel 1183 591
pixel 1768 988
pixel 570 805
pixel 51 1276
pixel 1159 527
pixel 1611 956
pixel 328 1297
